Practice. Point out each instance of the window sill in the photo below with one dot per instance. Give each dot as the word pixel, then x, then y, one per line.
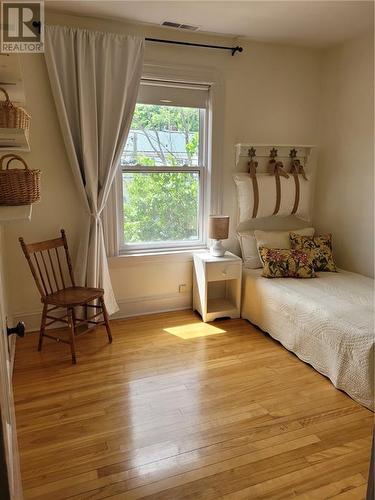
pixel 155 256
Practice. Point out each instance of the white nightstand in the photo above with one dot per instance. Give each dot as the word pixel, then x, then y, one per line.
pixel 217 286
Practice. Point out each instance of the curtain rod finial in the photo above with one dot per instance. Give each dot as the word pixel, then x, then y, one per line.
pixel 237 49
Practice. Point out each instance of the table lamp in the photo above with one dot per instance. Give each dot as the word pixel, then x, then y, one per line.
pixel 218 227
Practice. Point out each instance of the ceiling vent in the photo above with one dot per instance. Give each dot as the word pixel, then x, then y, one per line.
pixel 187 27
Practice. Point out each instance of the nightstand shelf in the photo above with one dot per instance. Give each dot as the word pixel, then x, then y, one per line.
pixel 221 305
pixel 217 286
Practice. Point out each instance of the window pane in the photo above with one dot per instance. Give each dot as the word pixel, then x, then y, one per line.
pixel 163 135
pixel 160 206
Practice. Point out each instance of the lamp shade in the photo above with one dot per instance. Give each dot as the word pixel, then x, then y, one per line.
pixel 218 227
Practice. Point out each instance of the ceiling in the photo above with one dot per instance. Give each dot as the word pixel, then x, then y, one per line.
pixel 316 23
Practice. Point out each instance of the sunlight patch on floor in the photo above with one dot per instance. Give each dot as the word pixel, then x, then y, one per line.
pixel 194 330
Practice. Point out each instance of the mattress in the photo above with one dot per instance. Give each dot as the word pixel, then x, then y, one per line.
pixel 327 322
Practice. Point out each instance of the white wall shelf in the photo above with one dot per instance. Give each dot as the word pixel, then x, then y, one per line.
pixel 11 78
pixel 14 139
pixel 263 151
pixel 14 214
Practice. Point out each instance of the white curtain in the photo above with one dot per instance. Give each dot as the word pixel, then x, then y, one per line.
pixel 94 78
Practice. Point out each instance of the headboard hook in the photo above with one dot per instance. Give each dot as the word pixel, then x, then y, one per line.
pixel 251 152
pixel 253 164
pixel 273 153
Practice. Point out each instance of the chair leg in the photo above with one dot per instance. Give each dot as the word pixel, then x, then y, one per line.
pixel 106 319
pixel 72 335
pixel 42 326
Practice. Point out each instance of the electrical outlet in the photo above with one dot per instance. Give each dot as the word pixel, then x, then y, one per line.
pixel 182 288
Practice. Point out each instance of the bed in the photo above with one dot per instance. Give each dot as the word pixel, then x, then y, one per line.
pixel 327 322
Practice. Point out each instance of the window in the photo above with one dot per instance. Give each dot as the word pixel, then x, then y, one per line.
pixel 164 168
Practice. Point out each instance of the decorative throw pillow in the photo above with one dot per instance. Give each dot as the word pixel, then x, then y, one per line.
pixel 250 241
pixel 283 263
pixel 319 247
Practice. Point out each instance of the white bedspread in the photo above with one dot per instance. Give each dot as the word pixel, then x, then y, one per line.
pixel 327 322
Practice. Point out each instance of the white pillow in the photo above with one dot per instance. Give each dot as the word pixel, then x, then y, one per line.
pixel 269 239
pixel 249 250
pixel 279 239
pixel 267 196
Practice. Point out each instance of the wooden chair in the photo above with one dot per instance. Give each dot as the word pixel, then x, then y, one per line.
pixel 50 271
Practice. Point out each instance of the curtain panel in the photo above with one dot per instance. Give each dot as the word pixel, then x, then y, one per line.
pixel 94 78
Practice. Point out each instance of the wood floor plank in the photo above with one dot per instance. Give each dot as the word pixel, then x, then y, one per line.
pixel 264 480
pixel 180 469
pixel 332 488
pixel 230 415
pixel 353 494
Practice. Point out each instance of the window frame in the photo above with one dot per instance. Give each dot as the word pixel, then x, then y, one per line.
pixel 202 169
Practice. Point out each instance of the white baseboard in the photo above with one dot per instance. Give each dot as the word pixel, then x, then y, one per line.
pixel 153 304
pixel 128 307
pixel 31 319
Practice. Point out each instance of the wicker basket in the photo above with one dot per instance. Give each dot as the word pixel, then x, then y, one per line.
pixel 12 116
pixel 18 187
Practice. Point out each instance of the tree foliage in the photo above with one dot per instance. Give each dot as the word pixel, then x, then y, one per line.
pixel 160 206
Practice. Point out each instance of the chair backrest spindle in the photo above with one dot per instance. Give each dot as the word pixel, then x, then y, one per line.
pixel 46 272
pixel 40 273
pixel 60 269
pixel 68 260
pixel 53 269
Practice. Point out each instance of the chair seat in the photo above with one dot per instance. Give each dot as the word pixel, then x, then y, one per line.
pixel 73 296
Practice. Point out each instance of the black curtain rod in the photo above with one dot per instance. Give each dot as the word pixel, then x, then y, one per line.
pixel 175 42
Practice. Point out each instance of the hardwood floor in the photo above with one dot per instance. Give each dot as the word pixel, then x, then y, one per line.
pixel 176 408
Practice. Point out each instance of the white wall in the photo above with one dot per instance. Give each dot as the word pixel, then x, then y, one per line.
pixel 345 185
pixel 271 95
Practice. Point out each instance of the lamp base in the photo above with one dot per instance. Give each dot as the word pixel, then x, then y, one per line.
pixel 217 249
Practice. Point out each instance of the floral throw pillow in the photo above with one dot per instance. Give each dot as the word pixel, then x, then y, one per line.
pixel 285 263
pixel 319 247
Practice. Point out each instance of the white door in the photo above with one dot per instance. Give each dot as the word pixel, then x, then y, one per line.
pixel 10 477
